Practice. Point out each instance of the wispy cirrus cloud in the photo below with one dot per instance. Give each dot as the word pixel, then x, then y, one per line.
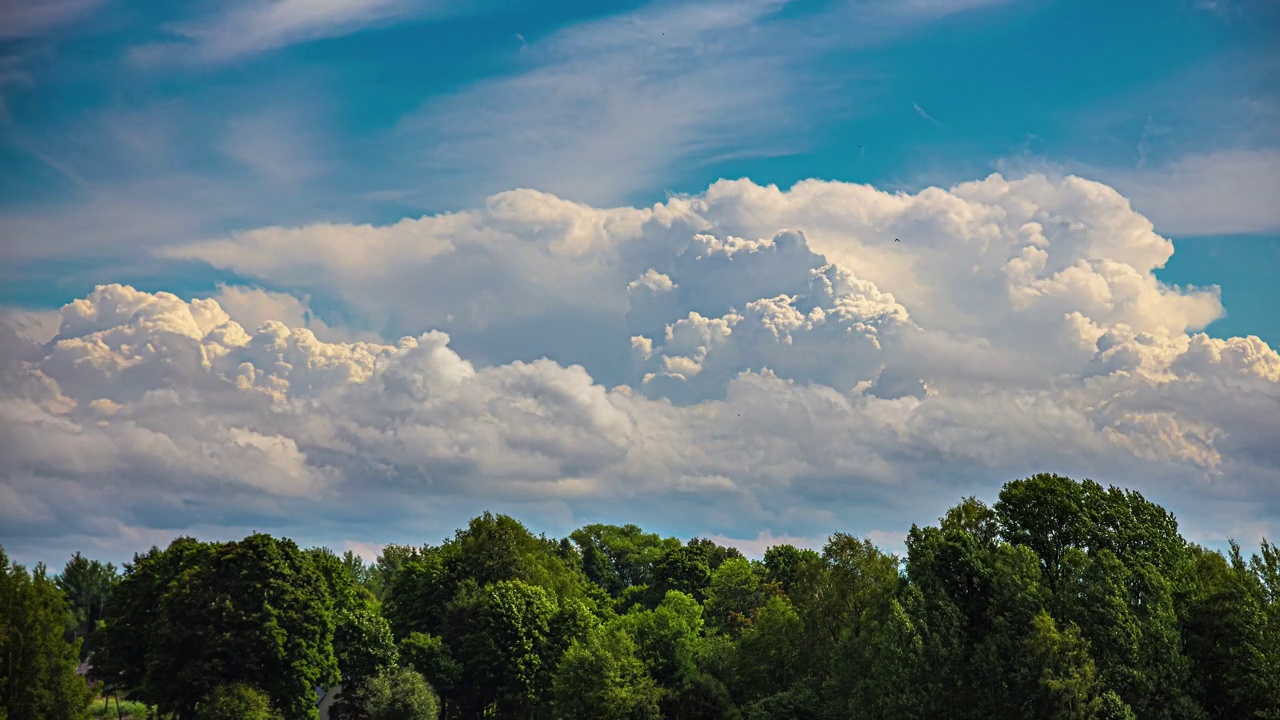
pixel 247 27
pixel 611 107
pixel 30 18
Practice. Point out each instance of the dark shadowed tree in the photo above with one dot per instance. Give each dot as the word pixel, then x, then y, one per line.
pixel 37 665
pixel 617 557
pixel 401 695
pixel 87 585
pixel 200 615
pixel 236 701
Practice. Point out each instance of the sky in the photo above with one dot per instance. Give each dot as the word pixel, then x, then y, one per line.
pixel 355 271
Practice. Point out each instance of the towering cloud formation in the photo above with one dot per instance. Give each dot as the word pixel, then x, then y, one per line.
pixel 748 359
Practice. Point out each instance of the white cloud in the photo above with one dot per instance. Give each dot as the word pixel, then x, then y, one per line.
pixel 254 307
pixel 765 539
pixel 37 326
pixel 248 27
pixel 28 18
pixel 1213 193
pixel 805 373
pixel 605 109
pixel 1207 194
pixel 280 148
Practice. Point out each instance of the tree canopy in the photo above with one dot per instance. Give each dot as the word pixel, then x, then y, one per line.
pixel 1062 599
pixel 37 664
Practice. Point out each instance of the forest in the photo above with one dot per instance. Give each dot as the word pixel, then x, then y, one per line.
pixel 1063 599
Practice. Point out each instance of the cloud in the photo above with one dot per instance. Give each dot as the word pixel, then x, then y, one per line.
pixel 796 372
pixel 192 166
pixel 249 27
pixel 632 92
pixel 36 326
pixel 924 115
pixel 756 547
pixel 1217 193
pixel 29 18
pixel 254 307
pixel 603 110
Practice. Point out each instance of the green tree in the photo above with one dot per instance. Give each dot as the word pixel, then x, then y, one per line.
pixel 1224 633
pixel 1064 683
pixel 668 638
pixel 401 695
pixel 972 516
pixel 430 656
pixel 364 649
pixel 716 554
pixel 734 594
pixel 343 590
pixel 617 557
pixel 199 615
pixel 359 570
pixel 769 652
pixel 363 646
pixel 783 564
pixel 703 698
pixel 832 597
pixel 493 548
pixel 685 569
pixel 382 573
pixel 508 637
pixel 37 665
pixel 87 585
pixel 889 655
pixel 601 677
pixel 236 701
pixel 1264 569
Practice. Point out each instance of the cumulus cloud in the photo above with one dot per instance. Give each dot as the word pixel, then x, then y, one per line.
pixel 1214 193
pixel 743 361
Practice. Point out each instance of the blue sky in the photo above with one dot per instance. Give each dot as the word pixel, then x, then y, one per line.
pixel 170 146
pixel 385 109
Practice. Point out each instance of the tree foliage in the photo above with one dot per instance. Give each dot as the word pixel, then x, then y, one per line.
pixel 236 701
pixel 197 616
pixel 87 586
pixel 601 677
pixel 37 664
pixel 401 695
pixel 1062 599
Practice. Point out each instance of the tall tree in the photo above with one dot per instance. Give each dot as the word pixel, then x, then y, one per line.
pixel 684 569
pixel 364 649
pixel 509 637
pixel 601 677
pixel 734 594
pixel 617 557
pixel 37 665
pixel 783 564
pixel 668 638
pixel 200 615
pixel 87 585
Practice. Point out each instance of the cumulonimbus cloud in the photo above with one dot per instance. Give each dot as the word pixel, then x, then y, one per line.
pixel 749 359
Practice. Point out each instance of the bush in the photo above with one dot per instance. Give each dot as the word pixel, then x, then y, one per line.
pixel 106 709
pixel 237 701
pixel 401 695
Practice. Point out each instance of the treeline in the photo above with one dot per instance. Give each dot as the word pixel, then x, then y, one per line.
pixel 1063 600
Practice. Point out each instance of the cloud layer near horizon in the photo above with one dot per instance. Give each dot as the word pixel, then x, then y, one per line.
pixel 748 362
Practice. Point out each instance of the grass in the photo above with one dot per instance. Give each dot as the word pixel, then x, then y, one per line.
pixel 128 709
